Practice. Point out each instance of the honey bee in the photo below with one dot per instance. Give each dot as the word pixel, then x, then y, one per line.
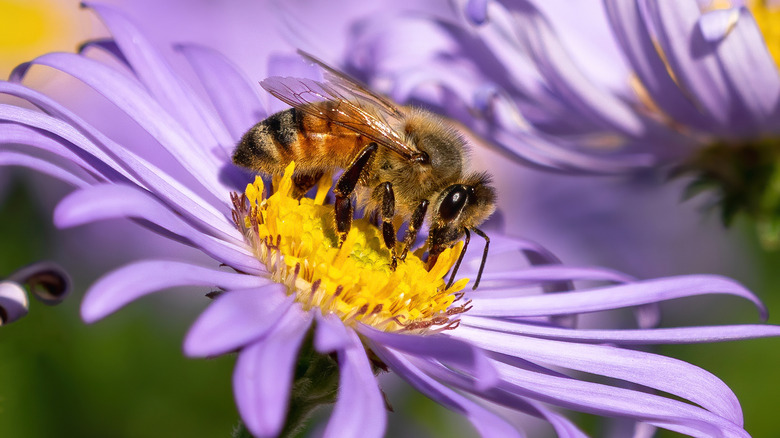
pixel 397 160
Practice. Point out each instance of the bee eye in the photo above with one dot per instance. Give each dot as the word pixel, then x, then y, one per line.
pixel 453 202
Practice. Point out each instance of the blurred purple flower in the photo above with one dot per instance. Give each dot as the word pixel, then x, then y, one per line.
pixel 683 84
pixel 508 343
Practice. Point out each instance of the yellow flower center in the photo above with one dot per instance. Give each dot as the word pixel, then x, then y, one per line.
pixel 768 19
pixel 29 28
pixel 296 241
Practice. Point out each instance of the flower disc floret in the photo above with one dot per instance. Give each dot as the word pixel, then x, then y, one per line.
pixel 296 241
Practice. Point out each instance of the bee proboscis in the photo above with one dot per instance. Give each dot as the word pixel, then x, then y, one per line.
pixel 397 160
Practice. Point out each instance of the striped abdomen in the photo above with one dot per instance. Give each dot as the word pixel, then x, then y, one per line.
pixel 316 144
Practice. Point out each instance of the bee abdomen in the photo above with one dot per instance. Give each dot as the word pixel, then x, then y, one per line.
pixel 271 144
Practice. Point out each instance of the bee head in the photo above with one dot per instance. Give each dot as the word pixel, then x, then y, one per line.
pixel 460 207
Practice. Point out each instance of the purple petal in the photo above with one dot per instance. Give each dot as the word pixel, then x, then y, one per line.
pixel 445 349
pixel 685 51
pixel 677 335
pixel 237 103
pixel 750 70
pixel 486 422
pixel 135 280
pixel 158 77
pixel 360 407
pixel 715 25
pixel 606 400
pixel 555 274
pixel 476 10
pixel 639 47
pixel 130 97
pixel 264 372
pixel 539 151
pixel 564 76
pixel 331 334
pixel 66 125
pixel 235 319
pixel 109 201
pixel 563 427
pixel 74 146
pixel 650 370
pixel 612 297
pixel 13 302
pixel 9 158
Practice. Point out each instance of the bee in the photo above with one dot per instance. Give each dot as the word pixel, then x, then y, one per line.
pixel 396 160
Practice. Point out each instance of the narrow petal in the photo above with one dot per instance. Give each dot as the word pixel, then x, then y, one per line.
pixel 360 407
pixel 654 371
pixel 613 297
pixel 688 56
pixel 131 98
pixel 331 334
pixel 715 25
pixel 487 423
pixel 64 124
pixel 67 143
pixel 476 11
pixel 264 373
pixel 563 427
pixel 9 158
pixel 554 273
pixel 565 77
pixel 750 71
pixel 237 103
pixel 135 280
pixel 632 34
pixel 109 201
pixel 445 349
pixel 157 76
pixel 607 400
pixel 677 335
pixel 236 318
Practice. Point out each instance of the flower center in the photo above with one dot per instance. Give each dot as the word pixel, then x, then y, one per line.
pixel 296 241
pixel 767 15
pixel 745 179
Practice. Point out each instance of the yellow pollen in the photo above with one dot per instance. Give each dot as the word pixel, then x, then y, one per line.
pixel 296 241
pixel 768 19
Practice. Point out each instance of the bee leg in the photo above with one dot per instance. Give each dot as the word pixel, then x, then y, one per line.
pixel 414 225
pixel 388 211
pixel 303 183
pixel 346 185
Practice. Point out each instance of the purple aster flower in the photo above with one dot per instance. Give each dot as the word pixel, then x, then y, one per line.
pixel 47 281
pixel 312 322
pixel 691 85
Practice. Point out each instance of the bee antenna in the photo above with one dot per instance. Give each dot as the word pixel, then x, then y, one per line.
pixel 460 257
pixel 484 256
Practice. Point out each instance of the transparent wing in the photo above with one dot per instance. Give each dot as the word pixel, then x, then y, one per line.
pixel 338 79
pixel 352 107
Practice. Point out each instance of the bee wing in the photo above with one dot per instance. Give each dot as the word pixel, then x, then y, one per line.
pixel 353 110
pixel 342 81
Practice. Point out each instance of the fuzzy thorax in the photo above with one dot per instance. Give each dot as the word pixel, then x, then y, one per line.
pixel 296 241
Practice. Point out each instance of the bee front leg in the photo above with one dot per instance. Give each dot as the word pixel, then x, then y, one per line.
pixel 346 185
pixel 414 225
pixel 388 211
